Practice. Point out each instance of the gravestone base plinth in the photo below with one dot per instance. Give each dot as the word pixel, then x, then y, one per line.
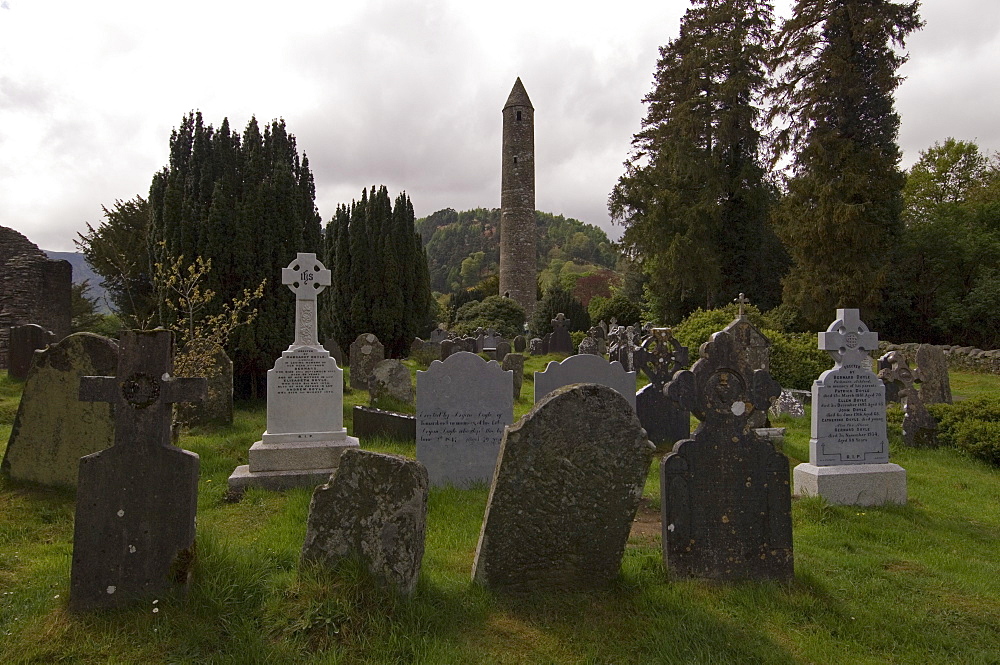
pixel 284 464
pixel 852 484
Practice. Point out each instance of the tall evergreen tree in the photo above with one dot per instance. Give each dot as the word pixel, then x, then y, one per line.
pixel 695 197
pixel 837 62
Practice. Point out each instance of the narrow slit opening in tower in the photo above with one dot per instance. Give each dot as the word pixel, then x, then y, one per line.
pixel 515 159
pixel 519 116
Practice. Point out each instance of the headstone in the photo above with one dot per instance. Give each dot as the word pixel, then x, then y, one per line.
pixel 600 333
pixel 305 434
pixel 919 426
pixel 755 350
pixel 561 341
pixel 336 353
pixel 133 536
pixel 725 495
pixel 480 340
pixel 502 349
pixel 932 372
pixel 491 339
pixel 439 334
pixel 425 352
pixel 659 356
pixel 585 368
pixel 849 449
pixel 53 429
pixel 547 344
pixel 211 361
pixel 373 509
pixel 390 378
pixel 448 347
pixel 463 405
pixel 536 346
pixel 24 341
pixel 895 374
pixel 514 362
pixel 565 493
pixel 519 344
pixel 588 346
pixel 787 404
pixel 369 422
pixel 366 352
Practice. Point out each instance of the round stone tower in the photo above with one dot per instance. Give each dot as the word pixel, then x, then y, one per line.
pixel 518 277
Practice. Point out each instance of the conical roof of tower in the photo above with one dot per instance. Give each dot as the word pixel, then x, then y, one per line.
pixel 518 97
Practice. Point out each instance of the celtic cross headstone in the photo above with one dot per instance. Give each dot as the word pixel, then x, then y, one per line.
pixel 306 277
pixel 659 356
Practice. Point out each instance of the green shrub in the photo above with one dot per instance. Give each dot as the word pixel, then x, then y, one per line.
pixel 617 307
pixel 576 337
pixel 555 301
pixel 503 315
pixel 972 426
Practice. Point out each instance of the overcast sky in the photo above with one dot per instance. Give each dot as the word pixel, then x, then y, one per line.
pixel 397 92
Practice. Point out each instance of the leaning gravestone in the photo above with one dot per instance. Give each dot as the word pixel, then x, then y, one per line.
pixel 24 341
pixel 366 352
pixel 659 356
pixel 305 399
pixel 515 363
pixel 566 490
pixel 463 405
pixel 932 371
pixel 849 449
pixel 725 496
pixel 561 342
pixel 217 407
pixel 373 509
pixel 53 429
pixel 390 378
pixel 133 536
pixel 586 368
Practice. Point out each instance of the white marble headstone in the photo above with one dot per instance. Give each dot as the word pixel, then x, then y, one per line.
pixel 463 405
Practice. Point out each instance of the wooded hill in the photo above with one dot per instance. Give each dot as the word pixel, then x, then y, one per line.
pixel 463 247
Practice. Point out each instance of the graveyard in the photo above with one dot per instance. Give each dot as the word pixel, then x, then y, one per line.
pixel 918 582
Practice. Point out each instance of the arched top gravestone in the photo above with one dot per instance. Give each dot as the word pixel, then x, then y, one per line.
pixel 585 368
pixel 725 493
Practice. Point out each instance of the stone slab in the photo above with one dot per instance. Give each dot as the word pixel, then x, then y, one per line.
pixel 276 481
pixel 585 368
pixel 292 455
pixel 852 485
pixel 370 422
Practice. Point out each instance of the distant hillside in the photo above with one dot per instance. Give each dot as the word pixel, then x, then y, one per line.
pixel 82 271
pixel 463 247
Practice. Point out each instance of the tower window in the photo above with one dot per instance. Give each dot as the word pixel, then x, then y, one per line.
pixel 519 116
pixel 515 159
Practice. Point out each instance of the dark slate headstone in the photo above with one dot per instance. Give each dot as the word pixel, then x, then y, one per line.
pixel 369 422
pixel 374 509
pixel 755 351
pixel 133 536
pixel 932 372
pixel 214 365
pixel 366 352
pixel 519 344
pixel 561 341
pixel 53 429
pixel 725 493
pixel 566 489
pixel 334 350
pixel 502 349
pixel 24 341
pixel 448 347
pixel 665 422
pixel 515 363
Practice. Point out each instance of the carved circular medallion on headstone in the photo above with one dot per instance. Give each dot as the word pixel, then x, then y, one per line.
pixel 851 341
pixel 724 390
pixel 140 390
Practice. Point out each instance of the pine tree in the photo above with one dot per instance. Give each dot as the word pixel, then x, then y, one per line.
pixel 837 62
pixel 695 197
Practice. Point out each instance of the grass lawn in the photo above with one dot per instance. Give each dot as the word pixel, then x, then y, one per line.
pixel 902 584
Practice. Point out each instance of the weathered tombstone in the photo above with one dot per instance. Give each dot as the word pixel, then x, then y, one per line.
pixel 425 352
pixel 547 344
pixel 390 378
pixel 725 495
pixel 480 340
pixel 515 363
pixel 217 407
pixel 895 374
pixel 448 347
pixel 600 333
pixel 755 349
pixel 133 536
pixel 53 429
pixel 535 347
pixel 566 490
pixel 919 426
pixel 305 399
pixel 588 346
pixel 932 372
pixel 849 449
pixel 24 341
pixel 463 405
pixel 491 339
pixel 439 334
pixel 788 404
pixel 366 352
pixel 336 353
pixel 561 342
pixel 519 344
pixel 585 368
pixel 659 356
pixel 502 349
pixel 382 525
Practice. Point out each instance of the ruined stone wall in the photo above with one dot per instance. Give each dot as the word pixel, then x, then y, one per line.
pixel 33 289
pixel 518 270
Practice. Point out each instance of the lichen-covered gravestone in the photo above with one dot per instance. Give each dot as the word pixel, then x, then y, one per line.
pixel 515 363
pixel 463 405
pixel 133 536
pixel 754 348
pixel 725 495
pixel 366 352
pixel 566 490
pixel 53 429
pixel 24 341
pixel 659 356
pixel 390 378
pixel 588 346
pixel 585 368
pixel 217 407
pixel 849 449
pixel 373 509
pixel 932 372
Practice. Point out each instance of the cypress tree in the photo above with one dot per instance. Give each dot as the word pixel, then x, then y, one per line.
pixel 837 62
